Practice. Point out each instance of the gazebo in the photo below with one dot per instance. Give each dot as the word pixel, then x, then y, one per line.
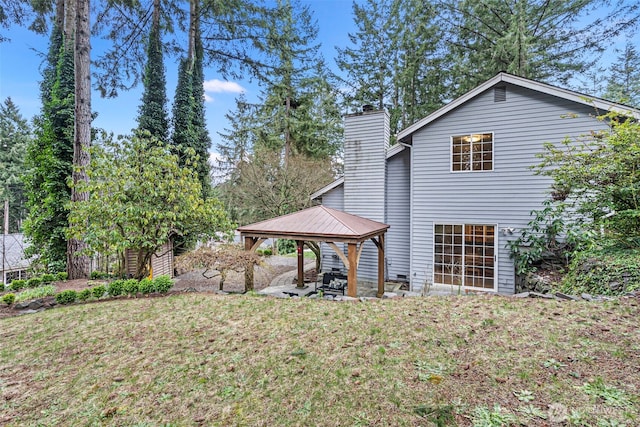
pixel 321 224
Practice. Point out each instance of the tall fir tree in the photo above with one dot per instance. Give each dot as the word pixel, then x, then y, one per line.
pixel 548 40
pixel 153 109
pixel 50 157
pixel 15 136
pixel 623 82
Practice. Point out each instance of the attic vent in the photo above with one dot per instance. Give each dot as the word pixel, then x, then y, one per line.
pixel 499 93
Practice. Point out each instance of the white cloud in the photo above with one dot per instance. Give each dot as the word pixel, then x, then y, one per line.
pixel 220 86
pixel 207 98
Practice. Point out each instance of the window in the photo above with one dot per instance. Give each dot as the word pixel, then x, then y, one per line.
pixel 472 152
pixel 464 255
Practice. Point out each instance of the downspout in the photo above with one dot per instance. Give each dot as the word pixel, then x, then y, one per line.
pixel 411 272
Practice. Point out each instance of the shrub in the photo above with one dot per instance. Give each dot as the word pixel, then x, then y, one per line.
pixel 40 292
pixel 66 297
pixel 130 287
pixel 62 275
pixel 98 275
pixel 8 299
pixel 116 288
pixel 47 278
pixel 603 271
pixel 84 294
pixel 18 284
pixel 98 291
pixel 286 246
pixel 162 284
pixel 34 282
pixel 146 286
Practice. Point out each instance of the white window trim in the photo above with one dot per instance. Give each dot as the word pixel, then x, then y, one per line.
pixel 496 257
pixel 493 153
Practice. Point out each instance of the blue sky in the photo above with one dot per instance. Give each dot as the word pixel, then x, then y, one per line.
pixel 20 61
pixel 21 58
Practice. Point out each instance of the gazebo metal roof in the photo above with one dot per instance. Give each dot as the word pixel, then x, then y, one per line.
pixel 318 223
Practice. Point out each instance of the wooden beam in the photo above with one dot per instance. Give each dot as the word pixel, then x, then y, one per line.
pixel 249 242
pixel 340 254
pixel 380 245
pixel 300 250
pixel 359 253
pixel 352 275
pixel 257 243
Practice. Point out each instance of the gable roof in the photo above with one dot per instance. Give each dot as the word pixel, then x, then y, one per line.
pixel 318 223
pixel 337 183
pixel 598 103
pixel 12 249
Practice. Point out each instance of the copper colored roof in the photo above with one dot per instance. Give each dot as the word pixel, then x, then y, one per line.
pixel 317 223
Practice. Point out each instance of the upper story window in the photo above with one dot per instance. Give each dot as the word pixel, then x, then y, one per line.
pixel 473 152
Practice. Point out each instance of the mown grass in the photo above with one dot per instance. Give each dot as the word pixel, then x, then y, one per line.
pixel 202 359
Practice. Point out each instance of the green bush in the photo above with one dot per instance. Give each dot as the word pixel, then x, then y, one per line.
pixel 39 292
pixel 62 275
pixel 8 298
pixel 98 275
pixel 162 284
pixel 130 287
pixel 286 246
pixel 34 282
pixel 146 286
pixel 47 278
pixel 98 291
pixel 606 270
pixel 18 284
pixel 116 288
pixel 84 294
pixel 66 297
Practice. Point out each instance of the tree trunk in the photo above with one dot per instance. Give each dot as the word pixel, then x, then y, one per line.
pixel 77 263
pixel 143 261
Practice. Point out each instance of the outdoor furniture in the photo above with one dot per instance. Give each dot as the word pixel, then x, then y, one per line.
pixel 332 283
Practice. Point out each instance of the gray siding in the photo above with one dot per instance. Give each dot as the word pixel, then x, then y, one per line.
pixel 332 199
pixel 398 208
pixel 504 196
pixel 366 140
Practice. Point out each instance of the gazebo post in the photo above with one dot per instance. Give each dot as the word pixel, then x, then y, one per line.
pixel 380 265
pixel 300 252
pixel 352 274
pixel 248 270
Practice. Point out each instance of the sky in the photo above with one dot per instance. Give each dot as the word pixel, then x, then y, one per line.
pixel 21 59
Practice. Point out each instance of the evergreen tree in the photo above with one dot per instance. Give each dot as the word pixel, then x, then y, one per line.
pixel 153 110
pixel 623 83
pixel 539 39
pixel 15 135
pixel 49 158
pixel 299 113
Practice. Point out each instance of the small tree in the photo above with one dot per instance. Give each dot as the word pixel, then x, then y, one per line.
pixel 218 262
pixel 140 197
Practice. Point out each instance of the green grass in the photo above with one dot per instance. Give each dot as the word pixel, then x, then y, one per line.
pixel 307 254
pixel 204 359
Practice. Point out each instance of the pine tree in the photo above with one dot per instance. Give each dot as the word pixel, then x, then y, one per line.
pixel 623 83
pixel 15 135
pixel 539 39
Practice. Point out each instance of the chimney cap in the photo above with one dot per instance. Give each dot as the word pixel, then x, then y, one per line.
pixel 367 108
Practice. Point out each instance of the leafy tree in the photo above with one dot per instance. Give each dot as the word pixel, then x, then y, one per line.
pixel 600 176
pixel 623 84
pixel 153 109
pixel 50 156
pixel 15 135
pixel 140 197
pixel 218 261
pixel 538 39
pixel 266 187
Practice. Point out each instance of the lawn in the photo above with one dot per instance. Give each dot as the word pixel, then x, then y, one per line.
pixel 204 359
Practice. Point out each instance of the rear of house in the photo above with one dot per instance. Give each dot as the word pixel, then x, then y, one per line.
pixel 459 185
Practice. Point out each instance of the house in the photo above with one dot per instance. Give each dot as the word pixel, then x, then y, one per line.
pixel 13 260
pixel 458 184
